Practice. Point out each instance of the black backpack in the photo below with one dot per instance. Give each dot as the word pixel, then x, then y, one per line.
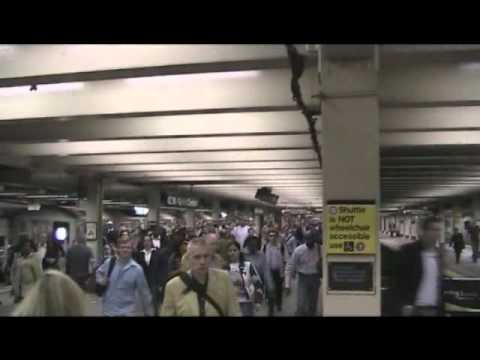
pixel 101 289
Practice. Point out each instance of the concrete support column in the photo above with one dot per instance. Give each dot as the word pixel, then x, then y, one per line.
pixel 153 196
pixel 458 217
pixel 190 219
pixel 278 217
pixel 448 223
pixel 410 226
pixel 258 220
pixel 476 209
pixel 442 215
pixel 350 145
pixel 407 226
pixel 216 210
pixel 93 207
pixel 403 222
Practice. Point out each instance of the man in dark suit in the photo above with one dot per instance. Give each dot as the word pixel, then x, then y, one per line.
pixel 79 262
pixel 154 263
pixel 417 273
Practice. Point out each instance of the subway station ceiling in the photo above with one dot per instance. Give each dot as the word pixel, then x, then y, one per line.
pixel 221 118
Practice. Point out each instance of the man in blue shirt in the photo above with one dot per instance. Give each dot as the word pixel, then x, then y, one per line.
pixel 125 282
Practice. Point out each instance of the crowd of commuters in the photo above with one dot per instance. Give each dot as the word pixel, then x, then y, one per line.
pixel 214 271
pixel 218 270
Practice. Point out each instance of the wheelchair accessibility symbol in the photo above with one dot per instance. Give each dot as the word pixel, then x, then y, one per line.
pixel 360 246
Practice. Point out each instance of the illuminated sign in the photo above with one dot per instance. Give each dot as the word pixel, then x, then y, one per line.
pixel 178 201
pixel 61 234
pixel 141 211
pixel 351 228
pixel 61 231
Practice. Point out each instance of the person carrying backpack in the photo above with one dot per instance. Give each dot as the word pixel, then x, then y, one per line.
pixel 120 280
pixel 202 290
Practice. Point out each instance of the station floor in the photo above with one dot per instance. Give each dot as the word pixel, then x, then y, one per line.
pixel 466 268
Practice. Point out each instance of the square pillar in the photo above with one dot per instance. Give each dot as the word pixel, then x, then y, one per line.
pixel 154 202
pixel 351 169
pixel 189 217
pixel 93 206
pixel 216 210
pixel 476 209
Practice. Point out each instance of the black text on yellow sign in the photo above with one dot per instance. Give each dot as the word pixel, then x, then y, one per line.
pixel 351 229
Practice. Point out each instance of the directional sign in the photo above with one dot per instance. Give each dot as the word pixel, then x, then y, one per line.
pixel 351 228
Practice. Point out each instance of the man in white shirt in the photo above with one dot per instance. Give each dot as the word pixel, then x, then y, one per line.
pixel 418 273
pixel 305 262
pixel 240 233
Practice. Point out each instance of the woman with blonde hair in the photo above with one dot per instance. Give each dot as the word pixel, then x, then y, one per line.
pixel 55 294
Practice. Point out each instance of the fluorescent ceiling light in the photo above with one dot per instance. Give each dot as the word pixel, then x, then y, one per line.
pixel 224 75
pixel 141 211
pixel 34 207
pixel 12 194
pixel 42 88
pixel 109 202
pixel 61 234
pixel 46 196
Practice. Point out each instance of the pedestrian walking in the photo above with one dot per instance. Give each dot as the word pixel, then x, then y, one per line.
pixel 275 261
pixel 306 263
pixel 201 291
pixel 78 264
pixel 417 273
pixel 458 244
pixel 123 279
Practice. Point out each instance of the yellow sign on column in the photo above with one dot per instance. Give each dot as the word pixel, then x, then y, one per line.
pixel 351 229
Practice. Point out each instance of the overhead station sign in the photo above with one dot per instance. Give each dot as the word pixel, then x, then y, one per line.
pixel 351 228
pixel 179 201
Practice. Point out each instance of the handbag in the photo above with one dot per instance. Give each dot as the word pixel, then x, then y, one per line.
pixel 100 289
pixel 254 293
